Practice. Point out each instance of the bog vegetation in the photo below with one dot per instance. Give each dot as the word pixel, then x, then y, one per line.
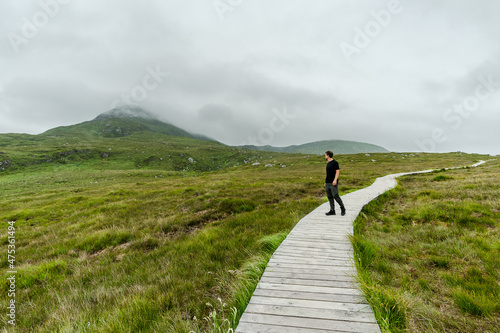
pixel 428 252
pixel 152 233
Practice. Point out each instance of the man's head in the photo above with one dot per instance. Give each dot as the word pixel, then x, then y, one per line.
pixel 328 154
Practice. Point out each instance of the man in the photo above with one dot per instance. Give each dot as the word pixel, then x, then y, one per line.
pixel 332 184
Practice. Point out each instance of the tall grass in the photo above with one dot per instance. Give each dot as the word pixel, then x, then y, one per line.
pixel 145 250
pixel 428 252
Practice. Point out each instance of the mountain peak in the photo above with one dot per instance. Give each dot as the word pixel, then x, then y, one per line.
pixel 127 111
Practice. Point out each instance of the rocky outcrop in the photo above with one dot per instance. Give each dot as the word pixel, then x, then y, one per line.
pixel 5 164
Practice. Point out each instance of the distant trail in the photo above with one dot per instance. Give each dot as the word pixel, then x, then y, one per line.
pixel 309 285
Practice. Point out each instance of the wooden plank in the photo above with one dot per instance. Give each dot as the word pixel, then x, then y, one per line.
pixel 332 267
pixel 304 312
pixel 289 251
pixel 334 325
pixel 308 249
pixel 305 266
pixel 319 250
pixel 312 261
pixel 308 276
pixel 319 243
pixel 318 229
pixel 307 295
pixel 320 237
pixel 311 304
pixel 318 246
pixel 345 263
pixel 309 254
pixel 305 256
pixel 307 282
pixel 321 224
pixel 266 328
pixel 345 243
pixel 343 256
pixel 309 270
pixel 330 264
pixel 325 290
pixel 327 229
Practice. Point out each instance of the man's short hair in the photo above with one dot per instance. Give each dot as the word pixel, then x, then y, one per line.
pixel 329 153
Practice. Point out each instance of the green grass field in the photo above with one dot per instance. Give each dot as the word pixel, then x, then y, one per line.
pixel 429 252
pixel 111 245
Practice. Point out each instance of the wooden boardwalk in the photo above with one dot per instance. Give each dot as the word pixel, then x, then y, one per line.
pixel 310 283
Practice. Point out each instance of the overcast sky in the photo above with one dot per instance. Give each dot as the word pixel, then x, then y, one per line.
pixel 407 75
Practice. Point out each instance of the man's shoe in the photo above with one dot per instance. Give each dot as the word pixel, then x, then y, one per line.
pixel 342 212
pixel 330 213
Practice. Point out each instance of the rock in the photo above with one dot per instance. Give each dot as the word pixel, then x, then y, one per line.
pixel 5 163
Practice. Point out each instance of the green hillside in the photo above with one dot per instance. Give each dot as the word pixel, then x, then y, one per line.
pixel 319 147
pixel 120 122
pixel 140 150
pixel 122 138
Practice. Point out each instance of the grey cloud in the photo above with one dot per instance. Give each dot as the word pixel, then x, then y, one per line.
pixel 51 102
pixel 232 74
pixel 215 112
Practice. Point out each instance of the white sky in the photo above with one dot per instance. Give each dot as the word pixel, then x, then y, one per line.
pixel 407 75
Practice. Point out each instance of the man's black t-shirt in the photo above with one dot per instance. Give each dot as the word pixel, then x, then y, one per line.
pixel 331 168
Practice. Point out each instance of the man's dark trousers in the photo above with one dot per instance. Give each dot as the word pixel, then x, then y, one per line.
pixel 332 192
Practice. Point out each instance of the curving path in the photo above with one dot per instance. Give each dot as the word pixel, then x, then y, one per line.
pixel 310 284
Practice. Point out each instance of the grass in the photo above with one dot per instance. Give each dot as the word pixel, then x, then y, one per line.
pixel 121 247
pixel 428 252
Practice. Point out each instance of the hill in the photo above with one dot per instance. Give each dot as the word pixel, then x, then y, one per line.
pixel 319 147
pixel 122 121
pixel 129 137
pixel 127 120
pixel 122 138
pixel 140 150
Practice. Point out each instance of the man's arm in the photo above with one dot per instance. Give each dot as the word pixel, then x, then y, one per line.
pixel 337 172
